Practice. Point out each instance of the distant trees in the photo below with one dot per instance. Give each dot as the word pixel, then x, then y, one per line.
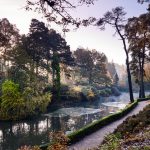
pixel 116 19
pixel 93 66
pixel 113 73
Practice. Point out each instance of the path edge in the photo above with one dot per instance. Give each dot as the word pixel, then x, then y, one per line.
pixel 93 127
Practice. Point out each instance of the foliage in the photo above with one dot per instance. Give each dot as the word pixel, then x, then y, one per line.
pixel 58 11
pixel 11 101
pixel 29 148
pixel 9 36
pixel 113 73
pixel 56 76
pixel 19 76
pixel 58 140
pixel 138 33
pixel 15 105
pixel 92 66
pixel 111 142
pixel 105 92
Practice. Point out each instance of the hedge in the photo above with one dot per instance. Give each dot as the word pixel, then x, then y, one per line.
pixel 92 127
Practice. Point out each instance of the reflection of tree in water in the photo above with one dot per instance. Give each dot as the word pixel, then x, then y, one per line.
pixel 59 123
pixel 13 135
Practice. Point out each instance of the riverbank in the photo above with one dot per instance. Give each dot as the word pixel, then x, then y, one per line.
pixel 89 141
pixel 132 134
pixel 36 132
pixel 71 95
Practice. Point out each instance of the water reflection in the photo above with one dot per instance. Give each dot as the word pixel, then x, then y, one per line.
pixel 32 132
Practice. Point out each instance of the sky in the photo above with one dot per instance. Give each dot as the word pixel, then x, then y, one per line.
pixel 87 37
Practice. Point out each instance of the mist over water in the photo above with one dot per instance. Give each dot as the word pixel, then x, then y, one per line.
pixel 36 131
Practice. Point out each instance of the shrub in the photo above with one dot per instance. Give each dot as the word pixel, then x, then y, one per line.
pixel 58 141
pixel 11 100
pixel 15 105
pixel 29 148
pixel 111 142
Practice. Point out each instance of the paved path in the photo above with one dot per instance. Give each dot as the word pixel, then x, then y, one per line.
pixel 94 139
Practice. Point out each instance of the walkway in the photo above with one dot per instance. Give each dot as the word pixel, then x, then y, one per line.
pixel 94 139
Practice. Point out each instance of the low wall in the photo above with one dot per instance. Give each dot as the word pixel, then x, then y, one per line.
pixel 92 127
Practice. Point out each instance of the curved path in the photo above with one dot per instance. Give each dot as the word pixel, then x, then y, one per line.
pixel 93 140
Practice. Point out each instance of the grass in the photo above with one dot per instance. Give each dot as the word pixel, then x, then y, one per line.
pixel 134 133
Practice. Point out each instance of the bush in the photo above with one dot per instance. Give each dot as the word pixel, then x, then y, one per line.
pixel 11 101
pixel 111 142
pixel 105 92
pixel 29 148
pixel 58 141
pixel 15 105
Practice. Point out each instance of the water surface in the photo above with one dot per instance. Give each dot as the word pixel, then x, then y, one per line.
pixel 36 131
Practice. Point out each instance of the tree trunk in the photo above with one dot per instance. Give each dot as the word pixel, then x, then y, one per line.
pixel 129 80
pixel 140 96
pixel 127 63
pixel 142 75
pixel 139 77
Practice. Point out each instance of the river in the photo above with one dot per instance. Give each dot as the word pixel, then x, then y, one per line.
pixel 36 131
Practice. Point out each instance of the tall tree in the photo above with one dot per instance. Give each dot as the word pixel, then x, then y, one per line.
pixel 9 36
pixel 38 42
pixel 116 18
pixel 138 31
pixel 48 45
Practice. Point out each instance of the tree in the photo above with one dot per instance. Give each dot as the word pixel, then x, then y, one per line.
pixel 44 45
pixel 142 1
pixel 58 11
pixel 56 75
pixel 93 66
pixel 9 36
pixel 61 54
pixel 115 18
pixel 38 43
pixel 113 73
pixel 138 33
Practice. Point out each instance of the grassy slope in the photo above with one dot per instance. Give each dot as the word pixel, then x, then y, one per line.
pixel 132 134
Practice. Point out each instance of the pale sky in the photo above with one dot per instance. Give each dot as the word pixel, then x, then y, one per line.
pixel 90 37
